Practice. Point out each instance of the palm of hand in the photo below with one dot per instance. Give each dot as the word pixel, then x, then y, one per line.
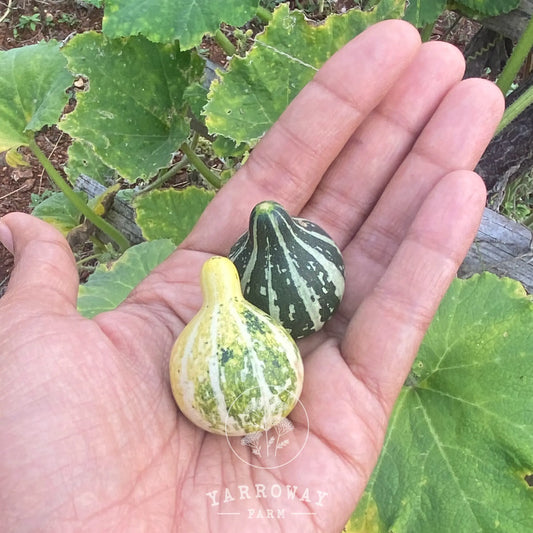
pixel 90 430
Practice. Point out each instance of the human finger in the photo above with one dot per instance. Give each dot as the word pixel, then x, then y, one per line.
pixel 356 179
pixel 454 139
pixel 385 332
pixel 44 276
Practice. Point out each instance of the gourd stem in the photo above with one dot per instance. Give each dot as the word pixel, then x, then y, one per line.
pixel 75 200
pixel 225 43
pixel 518 55
pixel 202 168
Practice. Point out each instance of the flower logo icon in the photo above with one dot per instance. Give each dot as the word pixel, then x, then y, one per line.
pixel 274 447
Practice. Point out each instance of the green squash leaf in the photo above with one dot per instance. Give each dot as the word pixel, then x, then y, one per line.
pixel 422 12
pixel 33 83
pixel 58 211
pixel 83 160
pixel 485 8
pixel 196 96
pixel 459 446
pixel 249 98
pixel 167 20
pixel 170 214
pixel 108 286
pixel 133 113
pixel 224 147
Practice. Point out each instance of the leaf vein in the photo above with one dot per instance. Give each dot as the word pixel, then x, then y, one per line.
pixel 441 448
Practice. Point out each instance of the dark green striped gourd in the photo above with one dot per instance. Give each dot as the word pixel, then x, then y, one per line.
pixel 290 268
pixel 233 369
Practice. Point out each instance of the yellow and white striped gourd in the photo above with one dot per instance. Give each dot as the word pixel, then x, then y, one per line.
pixel 233 369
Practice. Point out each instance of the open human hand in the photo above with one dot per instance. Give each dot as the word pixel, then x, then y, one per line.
pixel 378 149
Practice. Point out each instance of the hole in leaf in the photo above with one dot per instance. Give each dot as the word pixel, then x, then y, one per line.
pixel 529 479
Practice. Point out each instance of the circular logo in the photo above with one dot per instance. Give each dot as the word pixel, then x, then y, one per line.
pixel 274 447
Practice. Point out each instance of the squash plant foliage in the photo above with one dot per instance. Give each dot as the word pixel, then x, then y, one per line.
pixel 458 455
pixel 458 452
pixel 423 12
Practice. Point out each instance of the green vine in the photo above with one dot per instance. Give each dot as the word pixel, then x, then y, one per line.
pixel 225 43
pixel 78 203
pixel 517 107
pixel 263 14
pixel 518 55
pixel 171 172
pixel 165 176
pixel 200 166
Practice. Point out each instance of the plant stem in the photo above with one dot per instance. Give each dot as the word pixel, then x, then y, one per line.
pixel 200 166
pixel 518 55
pixel 426 32
pixel 87 259
pixel 225 43
pixel 6 13
pixel 521 103
pixel 528 221
pixel 78 203
pixel 263 14
pixel 160 180
pixel 172 171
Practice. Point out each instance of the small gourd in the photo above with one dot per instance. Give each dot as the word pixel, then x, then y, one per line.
pixel 233 369
pixel 290 268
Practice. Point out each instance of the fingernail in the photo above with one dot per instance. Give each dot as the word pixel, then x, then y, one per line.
pixel 6 237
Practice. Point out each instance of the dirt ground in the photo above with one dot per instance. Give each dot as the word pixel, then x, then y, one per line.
pixel 59 19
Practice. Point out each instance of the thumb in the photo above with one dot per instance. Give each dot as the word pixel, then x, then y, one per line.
pixel 44 276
